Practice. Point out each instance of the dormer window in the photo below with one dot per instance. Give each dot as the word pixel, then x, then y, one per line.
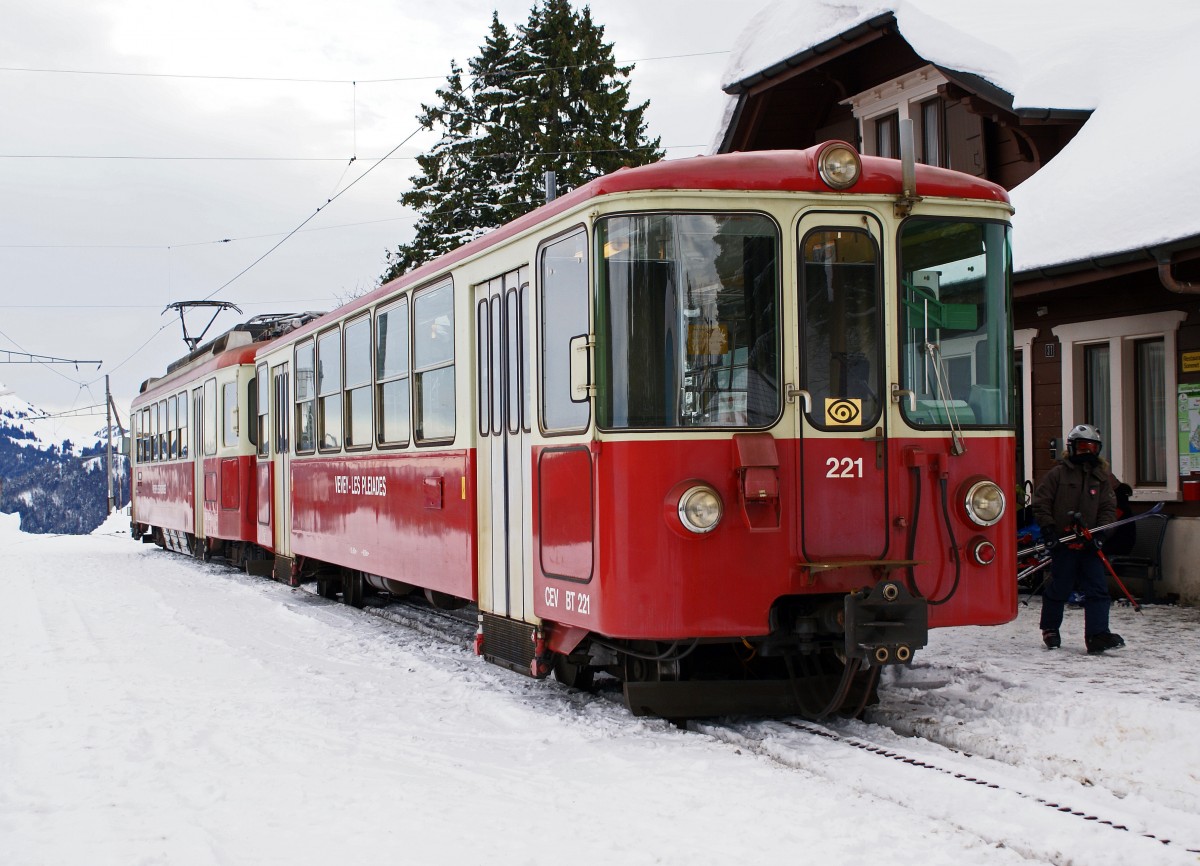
pixel 910 97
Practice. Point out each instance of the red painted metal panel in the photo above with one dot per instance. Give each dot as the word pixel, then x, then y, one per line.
pixel 653 581
pixel 164 495
pixel 565 538
pixel 845 508
pixel 372 513
pixel 231 483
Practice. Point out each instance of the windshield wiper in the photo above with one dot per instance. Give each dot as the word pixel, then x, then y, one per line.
pixel 942 378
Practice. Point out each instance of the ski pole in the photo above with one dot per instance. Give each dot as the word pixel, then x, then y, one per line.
pixel 1087 533
pixel 1033 569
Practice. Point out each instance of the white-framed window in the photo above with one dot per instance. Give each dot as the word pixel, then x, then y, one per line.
pixel 1023 350
pixel 910 97
pixel 1125 368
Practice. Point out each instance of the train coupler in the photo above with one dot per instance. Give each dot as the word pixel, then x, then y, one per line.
pixel 885 624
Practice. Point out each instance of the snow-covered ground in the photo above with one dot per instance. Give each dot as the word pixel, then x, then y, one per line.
pixel 156 710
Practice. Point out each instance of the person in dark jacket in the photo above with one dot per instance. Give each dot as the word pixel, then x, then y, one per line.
pixel 1078 491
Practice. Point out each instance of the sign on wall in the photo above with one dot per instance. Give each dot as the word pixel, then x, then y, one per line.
pixel 1189 428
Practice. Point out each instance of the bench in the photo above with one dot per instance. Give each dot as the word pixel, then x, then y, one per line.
pixel 1144 560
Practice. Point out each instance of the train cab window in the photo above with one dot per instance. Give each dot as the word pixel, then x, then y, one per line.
pixel 329 391
pixel 210 417
pixel 391 373
pixel 358 383
pixel 433 363
pixel 306 398
pixel 687 328
pixel 181 420
pixel 842 346
pixel 955 327
pixel 564 305
pixel 263 420
pixel 229 414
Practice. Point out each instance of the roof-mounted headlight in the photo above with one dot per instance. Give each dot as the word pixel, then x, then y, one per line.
pixel 839 165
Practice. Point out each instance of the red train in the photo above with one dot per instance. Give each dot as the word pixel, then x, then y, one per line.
pixel 733 429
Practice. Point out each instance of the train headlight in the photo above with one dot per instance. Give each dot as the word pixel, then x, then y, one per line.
pixel 839 165
pixel 700 509
pixel 984 502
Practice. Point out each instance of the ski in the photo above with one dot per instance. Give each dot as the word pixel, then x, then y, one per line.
pixel 1040 547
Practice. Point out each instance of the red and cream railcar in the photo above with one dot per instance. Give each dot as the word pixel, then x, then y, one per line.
pixel 734 429
pixel 193 481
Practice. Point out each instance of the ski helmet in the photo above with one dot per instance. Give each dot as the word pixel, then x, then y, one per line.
pixel 1084 439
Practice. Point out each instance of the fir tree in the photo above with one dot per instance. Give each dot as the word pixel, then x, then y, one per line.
pixel 551 99
pixel 575 117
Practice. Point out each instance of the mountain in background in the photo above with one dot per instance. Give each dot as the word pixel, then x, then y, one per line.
pixel 56 486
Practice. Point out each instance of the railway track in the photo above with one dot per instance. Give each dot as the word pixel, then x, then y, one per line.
pixel 991 799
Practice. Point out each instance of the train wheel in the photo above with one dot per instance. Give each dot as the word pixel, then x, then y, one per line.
pixel 327 587
pixel 575 676
pixel 443 600
pixel 352 588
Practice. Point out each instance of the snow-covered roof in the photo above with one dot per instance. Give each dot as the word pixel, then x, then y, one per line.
pixel 1128 180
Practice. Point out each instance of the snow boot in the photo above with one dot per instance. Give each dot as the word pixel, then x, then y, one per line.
pixel 1051 638
pixel 1102 642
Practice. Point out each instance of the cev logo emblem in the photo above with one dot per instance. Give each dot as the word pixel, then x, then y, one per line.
pixel 842 411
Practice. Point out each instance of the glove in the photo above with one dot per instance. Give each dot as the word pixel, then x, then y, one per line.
pixel 1096 542
pixel 1049 537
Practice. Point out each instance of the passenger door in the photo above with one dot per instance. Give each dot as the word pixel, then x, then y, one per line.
pixel 505 460
pixel 843 454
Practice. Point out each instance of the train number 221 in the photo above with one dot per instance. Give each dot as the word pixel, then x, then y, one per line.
pixel 844 467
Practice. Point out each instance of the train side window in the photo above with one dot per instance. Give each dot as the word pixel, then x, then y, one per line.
pixel 152 433
pixel 564 303
pixel 198 419
pixel 483 385
pixel 181 434
pixel 263 421
pixel 162 429
pixel 433 363
pixel 210 417
pixel 306 396
pixel 358 383
pixel 391 373
pixel 514 340
pixel 329 390
pixel 526 344
pixel 229 414
pixel 279 375
pixel 496 358
pixel 172 432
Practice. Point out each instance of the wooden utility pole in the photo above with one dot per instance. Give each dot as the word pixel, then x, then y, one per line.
pixel 108 429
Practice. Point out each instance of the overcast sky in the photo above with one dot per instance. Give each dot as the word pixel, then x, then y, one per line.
pixel 119 190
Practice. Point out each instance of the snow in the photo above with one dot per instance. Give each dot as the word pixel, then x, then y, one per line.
pixel 1127 180
pixel 154 709
pixel 43 432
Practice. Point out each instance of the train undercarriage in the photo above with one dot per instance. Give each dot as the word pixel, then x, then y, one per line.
pixel 821 658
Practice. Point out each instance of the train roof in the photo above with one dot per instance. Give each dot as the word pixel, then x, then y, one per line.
pixel 753 171
pixel 236 346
